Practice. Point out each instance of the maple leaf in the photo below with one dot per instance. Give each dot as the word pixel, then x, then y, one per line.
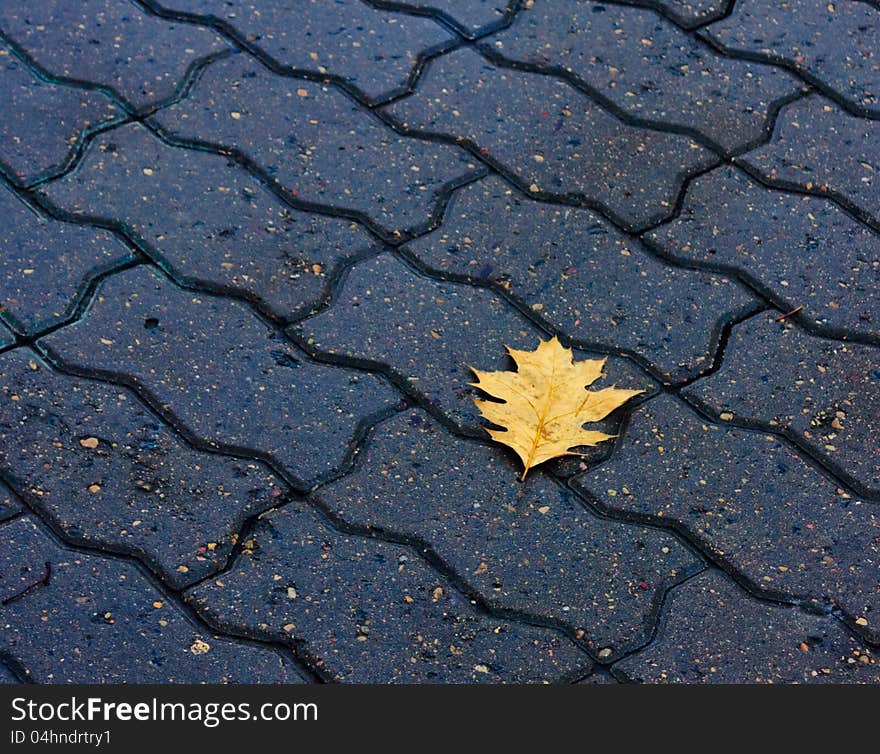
pixel 546 403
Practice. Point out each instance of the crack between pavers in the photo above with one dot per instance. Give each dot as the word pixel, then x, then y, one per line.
pixel 365 428
pixel 189 78
pixel 668 13
pixel 665 615
pixel 780 61
pixel 848 206
pixel 624 116
pixel 382 234
pixel 364 365
pixel 55 533
pixel 643 363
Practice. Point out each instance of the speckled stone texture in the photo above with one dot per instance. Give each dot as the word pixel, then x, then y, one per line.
pixel 109 43
pixel 111 475
pixel 213 223
pixel 376 52
pixel 28 153
pixel 819 148
pixel 46 264
pixel 366 610
pixel 10 506
pixel 712 633
pixel 167 340
pixel 586 278
pixel 106 623
pixel 826 393
pixel 688 14
pixel 833 44
pixel 427 333
pixel 649 68
pixel 752 501
pixel 472 18
pixel 319 145
pixel 551 137
pixel 529 547
pixel 804 251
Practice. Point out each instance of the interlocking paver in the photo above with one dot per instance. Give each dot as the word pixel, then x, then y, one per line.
pixel 714 633
pixel 371 611
pixel 471 17
pixel 834 43
pixel 209 219
pixel 109 474
pixel 9 503
pixel 552 137
pixel 376 51
pixel 427 332
pixel 806 251
pixel 585 277
pixel 27 151
pixel 45 264
pixel 650 68
pixel 824 392
pixel 751 500
pixel 222 372
pixel 108 42
pixel 7 676
pixel 528 547
pixel 249 249
pixel 819 147
pixel 99 620
pixel 317 143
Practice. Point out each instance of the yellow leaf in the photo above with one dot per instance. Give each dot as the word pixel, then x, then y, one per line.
pixel 546 403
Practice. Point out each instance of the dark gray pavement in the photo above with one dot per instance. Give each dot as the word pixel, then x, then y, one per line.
pixel 248 249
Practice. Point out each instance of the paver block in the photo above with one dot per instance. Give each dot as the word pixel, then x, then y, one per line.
pixel 472 18
pixel 111 43
pixel 212 221
pixel 222 372
pixel 585 277
pixel 650 68
pixel 820 148
pixel 824 392
pixel 9 503
pixel 752 501
pixel 99 620
pixel 46 264
pixel 110 474
pixel 529 547
pixel 28 151
pixel 375 51
pixel 714 633
pixel 805 251
pixel 319 145
pixel 428 332
pixel 370 611
pixel 833 43
pixel 551 137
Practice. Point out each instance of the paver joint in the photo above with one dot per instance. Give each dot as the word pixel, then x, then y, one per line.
pixel 249 248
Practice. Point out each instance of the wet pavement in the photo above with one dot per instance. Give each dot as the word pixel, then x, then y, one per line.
pixel 249 248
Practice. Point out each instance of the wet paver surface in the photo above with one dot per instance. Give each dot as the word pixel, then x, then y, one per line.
pixel 249 249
